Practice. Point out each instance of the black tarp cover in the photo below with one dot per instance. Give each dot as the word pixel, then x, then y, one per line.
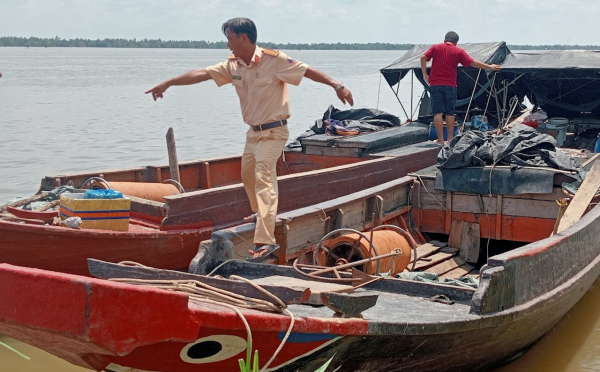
pixel 562 83
pixel 462 164
pixel 521 146
pixel 495 52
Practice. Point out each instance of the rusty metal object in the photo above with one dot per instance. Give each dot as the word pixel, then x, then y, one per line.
pixel 144 190
pixel 352 248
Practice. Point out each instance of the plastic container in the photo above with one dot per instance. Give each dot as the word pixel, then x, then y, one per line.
pixel 597 147
pixel 556 122
pixel 433 133
pixel 560 125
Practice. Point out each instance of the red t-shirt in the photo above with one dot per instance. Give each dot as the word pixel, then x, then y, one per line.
pixel 446 57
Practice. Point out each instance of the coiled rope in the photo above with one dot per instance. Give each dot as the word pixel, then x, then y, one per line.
pixel 204 293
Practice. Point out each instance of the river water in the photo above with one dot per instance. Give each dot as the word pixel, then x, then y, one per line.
pixel 66 110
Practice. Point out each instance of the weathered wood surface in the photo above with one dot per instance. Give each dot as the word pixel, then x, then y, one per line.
pixel 295 190
pixel 172 151
pixel 106 270
pixel 462 270
pixel 455 236
pixel 300 229
pixel 445 266
pixel 582 198
pixel 427 262
pixel 317 288
pixel 466 237
pixel 390 285
pixel 347 306
pixel 11 217
pixel 524 229
pixel 525 205
pixel 425 250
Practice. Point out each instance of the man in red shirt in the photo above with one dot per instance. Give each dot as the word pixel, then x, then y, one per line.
pixel 442 82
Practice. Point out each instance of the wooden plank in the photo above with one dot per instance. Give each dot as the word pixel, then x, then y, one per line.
pixel 462 270
pixel 456 273
pixel 522 229
pixel 446 266
pixel 107 270
pixel 448 220
pixel 316 288
pixel 590 160
pixel 432 260
pixel 451 250
pixel 582 198
pixel 470 242
pixel 426 249
pixel 456 233
pixel 526 205
pixel 498 220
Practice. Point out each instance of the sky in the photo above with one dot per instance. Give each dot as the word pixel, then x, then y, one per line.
pixel 518 22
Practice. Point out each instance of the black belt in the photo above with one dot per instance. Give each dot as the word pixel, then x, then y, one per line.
pixel 275 124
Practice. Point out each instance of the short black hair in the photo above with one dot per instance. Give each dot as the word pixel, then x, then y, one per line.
pixel 452 37
pixel 241 26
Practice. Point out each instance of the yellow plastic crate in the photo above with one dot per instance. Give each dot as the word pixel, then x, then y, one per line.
pixel 104 214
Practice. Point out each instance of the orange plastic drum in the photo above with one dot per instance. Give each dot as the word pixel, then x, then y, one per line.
pixel 352 247
pixel 150 191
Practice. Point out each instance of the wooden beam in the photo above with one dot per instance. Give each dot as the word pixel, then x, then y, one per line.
pixel 446 266
pixel 582 198
pixel 470 242
pixel 455 235
pixel 448 211
pixel 432 260
pixel 425 250
pixel 107 270
pixel 498 217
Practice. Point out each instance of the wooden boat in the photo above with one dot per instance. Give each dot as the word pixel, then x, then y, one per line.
pixel 529 278
pixel 166 233
pixel 533 262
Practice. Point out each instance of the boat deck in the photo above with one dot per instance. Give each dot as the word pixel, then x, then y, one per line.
pixel 398 309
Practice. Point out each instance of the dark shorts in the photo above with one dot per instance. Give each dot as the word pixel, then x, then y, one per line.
pixel 443 99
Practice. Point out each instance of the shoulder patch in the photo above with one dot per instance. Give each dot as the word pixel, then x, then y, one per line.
pixel 270 52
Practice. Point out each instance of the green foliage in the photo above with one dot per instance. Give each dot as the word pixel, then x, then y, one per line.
pixel 13 41
pixel 245 366
pixel 15 350
pixel 249 365
pixel 324 366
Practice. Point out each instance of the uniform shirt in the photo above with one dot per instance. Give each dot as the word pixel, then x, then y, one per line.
pixel 262 85
pixel 446 57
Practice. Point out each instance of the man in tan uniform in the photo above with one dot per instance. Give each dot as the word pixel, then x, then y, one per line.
pixel 260 77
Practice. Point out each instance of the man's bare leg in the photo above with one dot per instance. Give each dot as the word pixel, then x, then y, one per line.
pixel 438 122
pixel 450 126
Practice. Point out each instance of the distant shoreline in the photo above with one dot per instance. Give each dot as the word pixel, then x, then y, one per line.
pixel 35 42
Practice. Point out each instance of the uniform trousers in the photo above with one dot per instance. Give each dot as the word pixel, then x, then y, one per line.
pixel 259 176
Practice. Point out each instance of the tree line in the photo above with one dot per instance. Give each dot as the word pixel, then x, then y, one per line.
pixel 13 41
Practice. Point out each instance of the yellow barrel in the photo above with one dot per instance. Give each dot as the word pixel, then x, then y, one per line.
pixel 352 247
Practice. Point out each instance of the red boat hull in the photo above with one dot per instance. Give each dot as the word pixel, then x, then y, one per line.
pixel 67 250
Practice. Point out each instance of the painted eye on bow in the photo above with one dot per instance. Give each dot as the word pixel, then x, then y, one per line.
pixel 212 349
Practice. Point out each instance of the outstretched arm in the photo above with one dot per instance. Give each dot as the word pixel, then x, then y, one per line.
pixel 342 92
pixel 192 77
pixel 485 66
